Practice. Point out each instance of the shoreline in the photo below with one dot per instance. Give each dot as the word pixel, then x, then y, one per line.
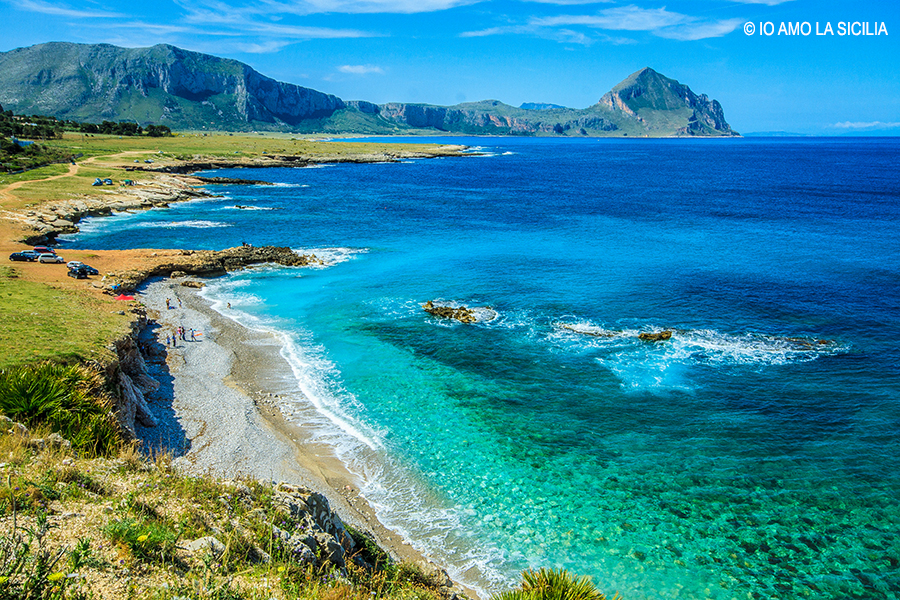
pixel 217 406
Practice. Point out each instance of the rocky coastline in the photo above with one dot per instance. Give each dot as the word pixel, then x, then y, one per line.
pixel 175 182
pixel 131 371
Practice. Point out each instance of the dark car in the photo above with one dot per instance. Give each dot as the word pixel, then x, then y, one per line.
pixel 90 270
pixel 26 255
pixel 78 273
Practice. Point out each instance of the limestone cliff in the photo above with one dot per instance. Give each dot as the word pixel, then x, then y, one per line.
pixel 163 84
pixel 188 90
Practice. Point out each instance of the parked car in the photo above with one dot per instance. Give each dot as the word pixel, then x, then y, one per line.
pixel 72 264
pixel 44 250
pixel 90 270
pixel 78 273
pixel 26 255
pixel 50 257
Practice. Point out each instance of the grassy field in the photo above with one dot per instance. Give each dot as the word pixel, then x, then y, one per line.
pixel 48 316
pixel 42 322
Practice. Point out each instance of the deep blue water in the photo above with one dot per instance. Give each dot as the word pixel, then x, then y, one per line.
pixel 754 454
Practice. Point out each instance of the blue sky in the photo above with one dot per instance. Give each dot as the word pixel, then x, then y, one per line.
pixel 567 52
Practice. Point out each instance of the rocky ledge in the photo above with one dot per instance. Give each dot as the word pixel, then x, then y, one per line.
pixel 205 263
pixel 42 224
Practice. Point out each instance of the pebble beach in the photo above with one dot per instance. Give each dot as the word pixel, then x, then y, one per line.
pixel 217 414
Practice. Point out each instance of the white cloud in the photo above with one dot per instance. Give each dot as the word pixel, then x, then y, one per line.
pixel 658 21
pixel 54 9
pixel 700 31
pixel 627 18
pixel 308 7
pixel 865 125
pixel 571 2
pixel 766 2
pixel 360 69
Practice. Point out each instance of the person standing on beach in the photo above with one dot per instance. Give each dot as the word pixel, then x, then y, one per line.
pixel 174 339
pixel 167 304
pixel 193 339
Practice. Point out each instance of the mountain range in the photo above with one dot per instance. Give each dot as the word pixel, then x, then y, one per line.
pixel 165 85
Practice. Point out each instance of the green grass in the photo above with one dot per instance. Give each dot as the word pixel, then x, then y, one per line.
pixel 41 322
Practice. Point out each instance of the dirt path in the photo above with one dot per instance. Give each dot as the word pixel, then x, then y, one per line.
pixel 5 193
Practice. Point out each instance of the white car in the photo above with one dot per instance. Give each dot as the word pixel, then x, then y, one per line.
pixel 74 264
pixel 49 257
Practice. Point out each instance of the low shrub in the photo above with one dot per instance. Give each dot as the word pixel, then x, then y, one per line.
pixel 552 584
pixel 70 400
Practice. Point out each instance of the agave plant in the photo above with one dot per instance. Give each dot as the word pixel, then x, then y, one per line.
pixel 552 584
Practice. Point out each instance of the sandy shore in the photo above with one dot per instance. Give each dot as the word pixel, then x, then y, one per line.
pixel 217 409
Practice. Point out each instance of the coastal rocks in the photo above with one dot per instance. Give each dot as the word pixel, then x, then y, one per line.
pixel 318 533
pixel 207 263
pixel 43 224
pixel 593 331
pixel 658 336
pixel 231 180
pixel 589 330
pixel 130 377
pixel 463 314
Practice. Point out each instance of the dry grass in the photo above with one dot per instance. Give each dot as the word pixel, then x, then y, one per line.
pixel 121 527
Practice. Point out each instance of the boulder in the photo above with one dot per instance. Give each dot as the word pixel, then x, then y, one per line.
pixel 462 314
pixel 207 544
pixel 655 337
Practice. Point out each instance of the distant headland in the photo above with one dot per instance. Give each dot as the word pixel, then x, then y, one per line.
pixel 180 89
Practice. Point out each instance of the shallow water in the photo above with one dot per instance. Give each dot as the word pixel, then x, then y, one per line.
pixel 754 454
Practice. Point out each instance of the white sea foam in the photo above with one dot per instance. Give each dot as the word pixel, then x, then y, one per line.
pixel 287 185
pixel 332 414
pixel 193 224
pixel 332 256
pixel 664 364
pixel 248 207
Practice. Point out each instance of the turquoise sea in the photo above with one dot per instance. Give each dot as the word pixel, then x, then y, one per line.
pixel 755 454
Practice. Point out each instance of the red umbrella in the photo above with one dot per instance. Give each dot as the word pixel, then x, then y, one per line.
pixel 124 297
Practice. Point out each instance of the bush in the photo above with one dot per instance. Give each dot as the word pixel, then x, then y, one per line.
pixel 70 400
pixel 550 584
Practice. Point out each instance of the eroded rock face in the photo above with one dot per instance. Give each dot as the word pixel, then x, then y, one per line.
pixel 130 376
pixel 319 535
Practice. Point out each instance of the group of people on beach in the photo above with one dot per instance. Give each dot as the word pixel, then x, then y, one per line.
pixel 180 332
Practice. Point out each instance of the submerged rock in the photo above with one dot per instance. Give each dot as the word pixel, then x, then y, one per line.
pixel 591 331
pixel 463 314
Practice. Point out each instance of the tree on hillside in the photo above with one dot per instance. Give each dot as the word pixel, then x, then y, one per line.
pixel 158 131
